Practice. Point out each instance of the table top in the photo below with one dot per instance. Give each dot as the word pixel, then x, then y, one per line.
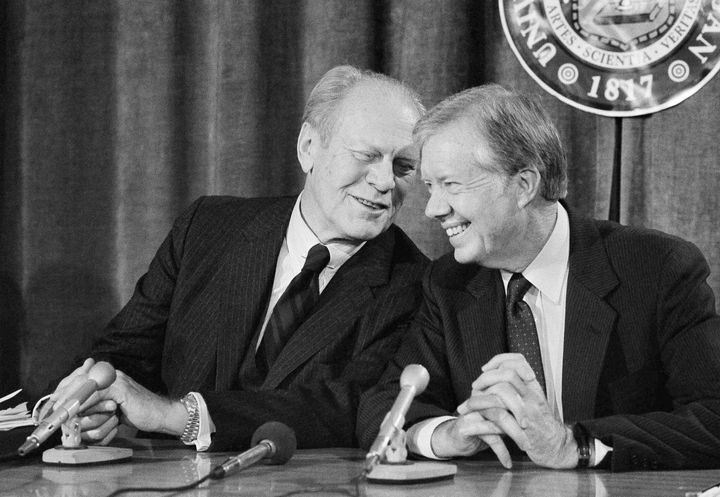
pixel 328 472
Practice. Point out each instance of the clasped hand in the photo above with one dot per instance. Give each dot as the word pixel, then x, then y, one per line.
pixel 507 398
pixel 124 402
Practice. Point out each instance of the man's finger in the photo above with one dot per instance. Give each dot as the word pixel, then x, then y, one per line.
pixel 68 385
pixel 519 406
pixel 90 402
pixel 480 401
pixel 108 438
pixel 513 400
pixel 101 432
pixel 102 406
pixel 509 425
pixel 500 395
pixel 474 424
pixel 496 444
pixel 499 359
pixel 516 362
pixel 503 375
pixel 93 421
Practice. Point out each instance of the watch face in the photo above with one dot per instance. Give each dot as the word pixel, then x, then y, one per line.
pixel 616 57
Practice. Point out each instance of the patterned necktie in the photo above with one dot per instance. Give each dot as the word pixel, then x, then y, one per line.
pixel 520 326
pixel 299 298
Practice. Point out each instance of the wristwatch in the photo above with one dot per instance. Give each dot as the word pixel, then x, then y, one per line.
pixel 585 446
pixel 192 426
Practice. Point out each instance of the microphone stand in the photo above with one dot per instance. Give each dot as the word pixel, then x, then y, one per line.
pixel 73 452
pixel 396 469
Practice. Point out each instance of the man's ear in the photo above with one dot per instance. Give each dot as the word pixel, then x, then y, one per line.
pixel 307 144
pixel 528 182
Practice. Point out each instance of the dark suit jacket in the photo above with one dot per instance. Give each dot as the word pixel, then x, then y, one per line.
pixel 191 320
pixel 642 346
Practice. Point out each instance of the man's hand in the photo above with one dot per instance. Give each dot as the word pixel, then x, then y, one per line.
pixel 99 423
pixel 508 386
pixel 467 435
pixel 97 417
pixel 67 386
pixel 131 404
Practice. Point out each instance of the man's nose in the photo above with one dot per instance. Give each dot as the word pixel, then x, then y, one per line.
pixel 437 205
pixel 381 175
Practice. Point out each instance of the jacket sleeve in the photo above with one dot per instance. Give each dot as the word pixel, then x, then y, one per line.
pixel 133 340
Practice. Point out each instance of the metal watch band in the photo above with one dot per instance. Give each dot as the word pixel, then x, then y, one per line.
pixel 192 426
pixel 584 448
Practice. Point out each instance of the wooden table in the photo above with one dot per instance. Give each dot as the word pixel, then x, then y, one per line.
pixel 329 472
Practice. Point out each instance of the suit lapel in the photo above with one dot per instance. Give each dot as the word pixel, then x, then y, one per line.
pixel 346 297
pixel 250 269
pixel 589 320
pixel 482 322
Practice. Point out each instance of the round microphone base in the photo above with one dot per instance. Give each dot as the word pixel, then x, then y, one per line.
pixel 411 472
pixel 85 455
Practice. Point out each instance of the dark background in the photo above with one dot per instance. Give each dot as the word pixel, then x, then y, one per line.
pixel 117 114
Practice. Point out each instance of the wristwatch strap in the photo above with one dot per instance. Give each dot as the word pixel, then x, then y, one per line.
pixel 585 446
pixel 192 426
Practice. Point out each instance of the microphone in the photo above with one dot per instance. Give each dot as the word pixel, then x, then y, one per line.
pixel 413 381
pixel 273 442
pixel 100 376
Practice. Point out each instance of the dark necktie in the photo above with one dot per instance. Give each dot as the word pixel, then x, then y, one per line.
pixel 520 326
pixel 294 305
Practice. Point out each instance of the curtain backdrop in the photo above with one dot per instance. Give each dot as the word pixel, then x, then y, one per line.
pixel 117 114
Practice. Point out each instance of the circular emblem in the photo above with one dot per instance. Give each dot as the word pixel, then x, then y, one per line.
pixel 616 57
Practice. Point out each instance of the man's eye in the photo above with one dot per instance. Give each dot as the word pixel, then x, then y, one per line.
pixel 403 167
pixel 451 186
pixel 364 156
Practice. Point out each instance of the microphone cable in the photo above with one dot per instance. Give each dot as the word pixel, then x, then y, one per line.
pixel 8 456
pixel 332 490
pixel 180 488
pixel 273 442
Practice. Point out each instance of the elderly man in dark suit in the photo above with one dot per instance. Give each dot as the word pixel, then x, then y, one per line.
pixel 278 309
pixel 580 342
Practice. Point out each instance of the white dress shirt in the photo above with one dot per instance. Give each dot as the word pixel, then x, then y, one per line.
pixel 548 273
pixel 299 239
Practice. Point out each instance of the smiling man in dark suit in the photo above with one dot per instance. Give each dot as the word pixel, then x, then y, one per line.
pixel 583 342
pixel 279 309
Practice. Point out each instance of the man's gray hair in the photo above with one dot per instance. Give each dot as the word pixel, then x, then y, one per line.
pixel 516 128
pixel 327 95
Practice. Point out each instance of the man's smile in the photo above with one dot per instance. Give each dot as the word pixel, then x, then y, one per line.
pixel 369 204
pixel 456 229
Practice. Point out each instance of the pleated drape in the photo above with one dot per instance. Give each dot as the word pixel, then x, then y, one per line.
pixel 117 114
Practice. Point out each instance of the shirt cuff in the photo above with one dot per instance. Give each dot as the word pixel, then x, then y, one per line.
pixel 206 427
pixel 601 450
pixel 419 437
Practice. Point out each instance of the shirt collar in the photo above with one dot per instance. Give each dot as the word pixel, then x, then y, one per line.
pixel 300 239
pixel 547 271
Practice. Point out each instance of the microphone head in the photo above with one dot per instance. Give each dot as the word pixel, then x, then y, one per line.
pixel 416 376
pixel 282 438
pixel 103 374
